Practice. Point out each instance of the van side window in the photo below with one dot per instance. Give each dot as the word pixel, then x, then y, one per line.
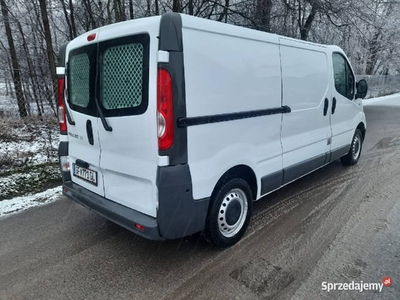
pixel 122 78
pixel 79 80
pixel 344 77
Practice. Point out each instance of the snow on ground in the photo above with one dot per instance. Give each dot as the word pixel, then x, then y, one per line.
pixel 29 153
pixel 18 204
pixel 391 100
pixel 29 144
pixel 28 156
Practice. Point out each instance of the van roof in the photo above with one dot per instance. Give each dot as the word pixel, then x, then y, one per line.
pixel 206 25
pixel 234 30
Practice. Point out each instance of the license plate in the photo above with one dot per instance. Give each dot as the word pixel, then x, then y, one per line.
pixel 85 174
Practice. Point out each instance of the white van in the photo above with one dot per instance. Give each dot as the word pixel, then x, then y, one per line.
pixel 173 125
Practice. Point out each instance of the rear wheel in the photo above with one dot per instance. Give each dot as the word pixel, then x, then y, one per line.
pixel 230 212
pixel 352 157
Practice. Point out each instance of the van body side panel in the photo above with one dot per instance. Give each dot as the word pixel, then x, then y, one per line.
pixel 226 73
pixel 129 155
pixel 306 130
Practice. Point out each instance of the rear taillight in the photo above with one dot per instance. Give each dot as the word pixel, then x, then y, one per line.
pixel 62 118
pixel 165 112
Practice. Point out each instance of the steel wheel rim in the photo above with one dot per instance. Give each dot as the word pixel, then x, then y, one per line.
pixel 356 148
pixel 233 198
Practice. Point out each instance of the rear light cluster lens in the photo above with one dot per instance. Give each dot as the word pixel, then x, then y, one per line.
pixel 165 116
pixel 64 161
pixel 61 114
pixel 62 118
pixel 139 226
pixel 161 124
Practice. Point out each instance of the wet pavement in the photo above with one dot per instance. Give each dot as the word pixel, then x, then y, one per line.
pixel 336 225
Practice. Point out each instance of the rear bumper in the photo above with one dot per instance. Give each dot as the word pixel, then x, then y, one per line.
pixel 117 213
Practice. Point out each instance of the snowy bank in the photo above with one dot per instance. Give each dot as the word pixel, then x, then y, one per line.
pixel 391 100
pixel 17 204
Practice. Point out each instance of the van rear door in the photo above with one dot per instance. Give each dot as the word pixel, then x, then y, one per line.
pixel 83 146
pixel 127 96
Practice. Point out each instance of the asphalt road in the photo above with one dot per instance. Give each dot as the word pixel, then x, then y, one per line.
pixel 339 224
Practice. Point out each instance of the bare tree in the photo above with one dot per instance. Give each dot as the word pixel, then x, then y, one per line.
pixel 49 44
pixel 31 73
pixel 14 61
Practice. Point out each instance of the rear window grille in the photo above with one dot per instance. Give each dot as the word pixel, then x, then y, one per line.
pixel 122 76
pixel 79 78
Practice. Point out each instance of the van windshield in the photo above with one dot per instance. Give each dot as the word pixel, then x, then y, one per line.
pixel 113 72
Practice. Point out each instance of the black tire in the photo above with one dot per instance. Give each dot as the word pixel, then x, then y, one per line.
pixel 352 157
pixel 230 211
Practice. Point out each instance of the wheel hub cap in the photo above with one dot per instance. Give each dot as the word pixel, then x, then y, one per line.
pixel 232 213
pixel 356 147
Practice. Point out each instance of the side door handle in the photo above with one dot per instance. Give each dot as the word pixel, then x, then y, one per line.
pixel 89 132
pixel 333 105
pixel 326 106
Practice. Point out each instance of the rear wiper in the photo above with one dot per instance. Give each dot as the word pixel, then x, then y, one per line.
pixel 102 118
pixel 69 118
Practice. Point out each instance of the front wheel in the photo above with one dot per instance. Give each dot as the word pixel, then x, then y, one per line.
pixel 352 157
pixel 230 212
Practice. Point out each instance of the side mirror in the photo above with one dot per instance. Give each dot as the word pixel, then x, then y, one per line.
pixel 362 89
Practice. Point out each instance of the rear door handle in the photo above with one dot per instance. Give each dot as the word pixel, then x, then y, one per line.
pixel 326 106
pixel 333 105
pixel 82 164
pixel 89 132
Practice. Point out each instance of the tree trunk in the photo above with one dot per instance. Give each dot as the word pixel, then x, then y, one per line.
pixel 101 12
pixel 109 16
pixel 71 36
pixel 119 10
pixel 224 13
pixel 191 7
pixel 25 88
pixel 71 11
pixel 176 5
pixel 263 14
pixel 373 54
pixel 14 61
pixel 148 8
pixel 157 8
pixel 131 15
pixel 49 44
pixel 8 86
pixel 306 27
pixel 89 11
pixel 30 69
